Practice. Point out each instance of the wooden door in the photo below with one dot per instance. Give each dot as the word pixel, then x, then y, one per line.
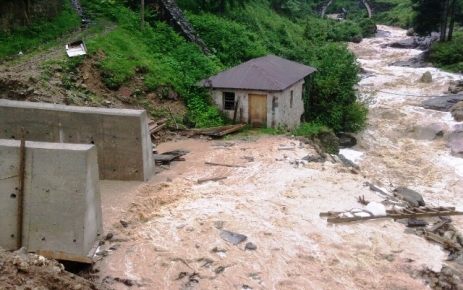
pixel 257 110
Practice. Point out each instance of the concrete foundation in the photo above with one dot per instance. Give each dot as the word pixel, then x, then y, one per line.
pixel 120 135
pixel 62 203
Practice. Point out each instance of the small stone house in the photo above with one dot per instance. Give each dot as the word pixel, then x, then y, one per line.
pixel 263 92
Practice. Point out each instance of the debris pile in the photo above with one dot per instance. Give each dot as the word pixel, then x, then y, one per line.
pixel 21 270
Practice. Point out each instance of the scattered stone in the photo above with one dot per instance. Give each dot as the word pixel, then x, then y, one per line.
pixel 124 223
pixel 189 229
pixel 412 197
pixel 457 111
pixel 218 224
pixel 250 246
pixel 77 287
pixel 109 236
pixel 115 247
pixel 426 77
pixel 310 158
pixel 348 163
pixel 219 269
pixel 198 246
pixel 232 237
pixel 218 250
pixel 169 179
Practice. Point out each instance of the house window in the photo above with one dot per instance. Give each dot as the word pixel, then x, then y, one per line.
pixel 228 101
pixel 291 99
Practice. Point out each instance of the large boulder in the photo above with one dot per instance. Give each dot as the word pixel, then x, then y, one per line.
pixel 428 132
pixel 416 42
pixel 457 111
pixel 327 142
pixel 357 38
pixel 456 86
pixel 426 77
pixel 412 197
pixel 455 141
pixel 442 103
pixel 346 140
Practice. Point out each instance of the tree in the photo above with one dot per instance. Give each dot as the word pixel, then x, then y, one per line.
pixel 433 15
pixel 427 16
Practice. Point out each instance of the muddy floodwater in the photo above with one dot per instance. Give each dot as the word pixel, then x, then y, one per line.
pixel 172 239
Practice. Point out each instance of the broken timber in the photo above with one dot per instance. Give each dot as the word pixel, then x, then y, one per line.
pixel 223 164
pixel 211 179
pixel 219 131
pixel 443 241
pixel 64 256
pixel 333 217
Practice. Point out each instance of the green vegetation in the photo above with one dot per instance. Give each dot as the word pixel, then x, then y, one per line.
pixel 449 55
pixel 400 13
pixel 242 30
pixel 27 37
pixel 310 129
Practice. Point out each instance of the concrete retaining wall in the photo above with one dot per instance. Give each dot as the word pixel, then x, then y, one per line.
pixel 62 204
pixel 120 135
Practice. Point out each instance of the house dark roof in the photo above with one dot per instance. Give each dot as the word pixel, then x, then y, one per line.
pixel 266 73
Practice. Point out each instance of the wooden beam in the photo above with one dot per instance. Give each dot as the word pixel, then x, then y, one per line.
pixel 443 241
pixel 211 179
pixel 22 165
pixel 64 256
pixel 223 164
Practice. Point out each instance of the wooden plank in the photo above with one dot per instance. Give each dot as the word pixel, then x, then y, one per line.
pixel 211 179
pixel 157 129
pixel 223 164
pixel 440 224
pixel 443 241
pixel 394 216
pixel 233 129
pixel 64 256
pixel 22 166
pixel 199 131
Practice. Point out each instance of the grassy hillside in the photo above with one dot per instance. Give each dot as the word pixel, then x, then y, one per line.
pixel 158 60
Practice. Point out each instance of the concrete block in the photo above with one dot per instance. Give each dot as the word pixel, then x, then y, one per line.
pixel 121 136
pixel 62 204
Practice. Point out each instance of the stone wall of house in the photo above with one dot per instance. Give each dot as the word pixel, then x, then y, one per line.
pixel 24 12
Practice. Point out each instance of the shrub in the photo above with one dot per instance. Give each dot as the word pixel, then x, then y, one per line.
pixel 309 129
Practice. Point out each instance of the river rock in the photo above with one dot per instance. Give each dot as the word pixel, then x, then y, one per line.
pixel 428 131
pixel 455 141
pixel 357 38
pixel 417 61
pixel 346 140
pixel 410 32
pixel 456 86
pixel 416 42
pixel 442 103
pixel 457 111
pixel 412 197
pixel 426 77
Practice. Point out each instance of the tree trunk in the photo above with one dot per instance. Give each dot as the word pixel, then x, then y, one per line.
pixel 222 6
pixel 142 14
pixel 452 19
pixel 443 27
